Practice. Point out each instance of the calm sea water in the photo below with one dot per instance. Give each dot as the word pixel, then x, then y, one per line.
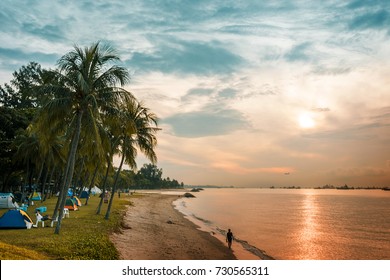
pixel 304 224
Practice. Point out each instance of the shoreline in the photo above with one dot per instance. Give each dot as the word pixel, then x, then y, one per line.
pixel 241 248
pixel 152 229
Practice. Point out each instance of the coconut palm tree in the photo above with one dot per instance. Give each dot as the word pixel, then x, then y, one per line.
pixel 51 148
pixel 27 144
pixel 136 127
pixel 88 89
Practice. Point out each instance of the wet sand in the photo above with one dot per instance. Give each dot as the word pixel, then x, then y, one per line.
pixel 154 230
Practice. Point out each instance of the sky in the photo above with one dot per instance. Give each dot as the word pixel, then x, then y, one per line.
pixel 248 93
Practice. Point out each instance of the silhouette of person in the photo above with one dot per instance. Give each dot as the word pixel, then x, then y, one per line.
pixel 229 238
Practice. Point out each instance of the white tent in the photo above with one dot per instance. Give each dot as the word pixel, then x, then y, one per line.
pixel 94 190
pixel 7 200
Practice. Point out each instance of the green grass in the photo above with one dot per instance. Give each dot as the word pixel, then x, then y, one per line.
pixel 83 236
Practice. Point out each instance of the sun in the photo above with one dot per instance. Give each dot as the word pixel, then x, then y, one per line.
pixel 306 120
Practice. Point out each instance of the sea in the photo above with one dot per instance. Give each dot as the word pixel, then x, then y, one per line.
pixel 295 224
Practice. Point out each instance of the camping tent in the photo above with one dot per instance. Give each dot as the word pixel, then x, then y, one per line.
pixel 36 196
pixel 7 200
pixel 84 194
pixel 95 190
pixel 76 200
pixel 15 219
pixel 69 203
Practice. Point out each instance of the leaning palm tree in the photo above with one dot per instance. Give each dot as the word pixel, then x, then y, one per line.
pixel 136 127
pixel 87 88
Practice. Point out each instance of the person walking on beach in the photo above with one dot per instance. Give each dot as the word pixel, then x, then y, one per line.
pixel 229 238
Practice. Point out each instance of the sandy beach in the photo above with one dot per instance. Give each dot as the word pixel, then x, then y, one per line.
pixel 154 230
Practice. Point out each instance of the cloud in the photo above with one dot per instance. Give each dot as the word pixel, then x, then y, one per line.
pixel 227 93
pixel 187 58
pixel 353 172
pixel 196 92
pixel 47 32
pixel 300 52
pixel 371 20
pixel 354 132
pixel 206 123
pixel 7 19
pixel 320 109
pixel 323 70
pixel 235 168
pixel 382 115
pixel 18 57
pixel 373 15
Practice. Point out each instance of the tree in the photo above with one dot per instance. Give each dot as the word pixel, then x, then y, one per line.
pixel 23 90
pixel 86 91
pixel 11 121
pixel 136 127
pixel 20 98
pixel 152 173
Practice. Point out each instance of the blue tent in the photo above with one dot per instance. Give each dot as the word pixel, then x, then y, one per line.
pixel 70 192
pixel 15 219
pixel 84 194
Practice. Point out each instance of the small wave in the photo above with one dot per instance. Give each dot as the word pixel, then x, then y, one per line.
pixel 250 248
pixel 254 250
pixel 207 222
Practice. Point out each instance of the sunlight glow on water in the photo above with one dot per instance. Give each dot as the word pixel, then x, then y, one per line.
pixel 309 232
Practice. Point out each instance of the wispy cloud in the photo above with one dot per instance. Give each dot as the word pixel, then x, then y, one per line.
pixel 187 58
pixel 207 123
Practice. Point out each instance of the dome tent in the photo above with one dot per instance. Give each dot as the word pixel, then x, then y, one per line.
pixel 84 194
pixel 70 204
pixel 76 200
pixel 15 219
pixel 36 196
pixel 7 200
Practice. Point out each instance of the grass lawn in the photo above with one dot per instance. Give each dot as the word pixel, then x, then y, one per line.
pixel 84 235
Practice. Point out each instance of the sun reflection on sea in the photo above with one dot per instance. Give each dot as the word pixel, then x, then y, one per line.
pixel 309 232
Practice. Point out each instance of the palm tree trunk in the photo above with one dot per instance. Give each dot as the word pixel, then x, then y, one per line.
pixel 92 183
pixel 30 178
pixel 104 187
pixel 43 196
pixel 60 188
pixel 56 187
pixel 116 181
pixel 40 174
pixel 49 188
pixel 82 182
pixel 70 169
pixel 76 180
pixel 25 181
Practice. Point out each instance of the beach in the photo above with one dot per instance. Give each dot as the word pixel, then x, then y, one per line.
pixel 153 230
